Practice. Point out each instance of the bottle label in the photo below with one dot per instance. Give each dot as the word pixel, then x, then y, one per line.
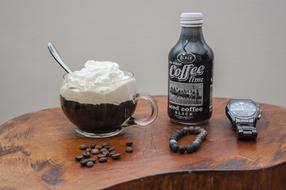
pixel 187 84
pixel 186 94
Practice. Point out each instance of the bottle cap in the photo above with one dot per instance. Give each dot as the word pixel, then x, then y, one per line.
pixel 191 19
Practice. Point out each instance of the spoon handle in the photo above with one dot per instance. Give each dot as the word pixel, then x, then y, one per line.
pixel 57 57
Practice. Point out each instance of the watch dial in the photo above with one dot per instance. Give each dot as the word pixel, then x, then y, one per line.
pixel 243 108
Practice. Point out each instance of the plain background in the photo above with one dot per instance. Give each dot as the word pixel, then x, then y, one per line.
pixel 248 38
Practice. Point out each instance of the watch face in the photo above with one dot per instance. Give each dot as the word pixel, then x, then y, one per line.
pixel 243 108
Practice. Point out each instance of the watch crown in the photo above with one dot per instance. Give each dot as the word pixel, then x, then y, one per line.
pixel 259 116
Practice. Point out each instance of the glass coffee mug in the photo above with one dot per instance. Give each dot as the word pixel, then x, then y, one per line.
pixel 99 115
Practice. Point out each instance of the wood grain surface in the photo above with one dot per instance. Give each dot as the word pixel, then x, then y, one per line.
pixel 37 152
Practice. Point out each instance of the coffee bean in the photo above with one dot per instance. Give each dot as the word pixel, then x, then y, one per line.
pixel 83 147
pixel 103 150
pixel 89 164
pixel 105 153
pixel 129 149
pixel 111 148
pixel 86 154
pixel 102 159
pixel 93 145
pixel 83 162
pixel 112 152
pixel 100 156
pixel 94 151
pixel 88 149
pixel 129 143
pixel 98 147
pixel 104 144
pixel 78 157
pixel 93 160
pixel 115 156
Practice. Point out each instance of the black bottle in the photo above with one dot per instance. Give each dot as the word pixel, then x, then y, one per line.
pixel 190 74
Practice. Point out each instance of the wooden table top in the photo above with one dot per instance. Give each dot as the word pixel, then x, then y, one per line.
pixel 37 152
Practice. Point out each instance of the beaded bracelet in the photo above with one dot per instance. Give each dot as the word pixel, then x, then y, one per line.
pixel 201 135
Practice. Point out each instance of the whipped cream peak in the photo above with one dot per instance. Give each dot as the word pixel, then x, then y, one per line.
pixel 99 82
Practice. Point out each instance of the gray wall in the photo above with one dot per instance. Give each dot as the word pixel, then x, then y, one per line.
pixel 248 38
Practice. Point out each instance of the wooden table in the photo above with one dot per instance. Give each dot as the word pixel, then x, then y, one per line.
pixel 37 152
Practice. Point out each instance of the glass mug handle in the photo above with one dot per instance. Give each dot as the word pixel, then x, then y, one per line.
pixel 147 120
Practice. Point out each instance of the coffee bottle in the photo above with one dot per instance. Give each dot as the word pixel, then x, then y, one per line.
pixel 190 74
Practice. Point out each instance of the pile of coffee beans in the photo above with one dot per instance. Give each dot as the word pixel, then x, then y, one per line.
pixel 99 153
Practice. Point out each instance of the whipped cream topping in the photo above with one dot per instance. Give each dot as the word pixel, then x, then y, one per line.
pixel 99 82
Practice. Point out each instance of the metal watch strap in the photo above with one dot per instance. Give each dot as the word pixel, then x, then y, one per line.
pixel 246 131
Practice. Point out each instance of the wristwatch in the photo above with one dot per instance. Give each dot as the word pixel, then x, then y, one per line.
pixel 243 114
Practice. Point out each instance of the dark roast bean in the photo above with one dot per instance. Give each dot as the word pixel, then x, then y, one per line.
pixel 105 153
pixel 102 159
pixel 104 144
pixel 112 152
pixel 78 157
pixel 129 143
pixel 89 164
pixel 115 156
pixel 86 154
pixel 100 156
pixel 94 151
pixel 129 149
pixel 107 147
pixel 83 162
pixel 93 145
pixel 83 147
pixel 92 159
pixel 103 150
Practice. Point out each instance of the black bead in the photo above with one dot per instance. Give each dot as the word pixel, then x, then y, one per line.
pixel 190 149
pixel 182 149
pixel 172 137
pixel 172 144
pixel 176 135
pixel 174 147
pixel 196 145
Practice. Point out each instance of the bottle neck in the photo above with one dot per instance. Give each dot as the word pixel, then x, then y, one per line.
pixel 192 33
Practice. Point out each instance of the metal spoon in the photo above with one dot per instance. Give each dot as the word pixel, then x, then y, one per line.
pixel 57 57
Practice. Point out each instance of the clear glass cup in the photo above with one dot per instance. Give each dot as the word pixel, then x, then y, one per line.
pixel 104 115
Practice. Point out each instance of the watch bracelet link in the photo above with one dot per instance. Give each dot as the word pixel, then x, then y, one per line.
pixel 246 131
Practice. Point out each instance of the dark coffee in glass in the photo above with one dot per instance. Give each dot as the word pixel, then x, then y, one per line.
pixel 100 100
pixel 99 118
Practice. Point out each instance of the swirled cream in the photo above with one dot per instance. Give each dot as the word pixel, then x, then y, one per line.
pixel 99 82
